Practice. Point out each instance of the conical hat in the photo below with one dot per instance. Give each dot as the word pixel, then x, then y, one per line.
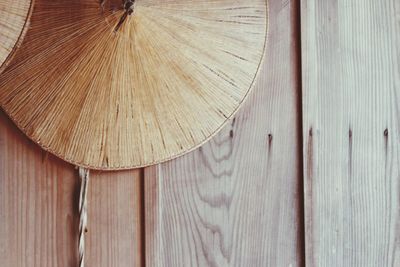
pixel 108 92
pixel 13 16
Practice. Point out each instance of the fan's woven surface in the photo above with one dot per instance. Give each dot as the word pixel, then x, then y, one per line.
pixel 160 86
pixel 13 16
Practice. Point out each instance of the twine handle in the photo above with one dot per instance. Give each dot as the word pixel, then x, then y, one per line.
pixel 84 175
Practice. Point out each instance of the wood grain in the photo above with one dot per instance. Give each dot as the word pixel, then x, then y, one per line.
pixel 114 227
pixel 235 201
pixel 39 209
pixel 351 96
pixel 38 214
pixel 160 86
pixel 14 16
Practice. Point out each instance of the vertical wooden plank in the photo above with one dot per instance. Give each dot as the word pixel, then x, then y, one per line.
pixel 351 96
pixel 114 226
pixel 235 201
pixel 39 216
pixel 38 192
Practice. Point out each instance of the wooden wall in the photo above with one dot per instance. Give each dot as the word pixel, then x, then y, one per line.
pixel 306 174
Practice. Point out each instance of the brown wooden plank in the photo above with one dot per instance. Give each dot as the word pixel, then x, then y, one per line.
pixel 235 201
pixel 114 233
pixel 351 96
pixel 39 216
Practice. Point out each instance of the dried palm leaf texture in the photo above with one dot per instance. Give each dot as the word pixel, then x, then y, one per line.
pixel 13 18
pixel 107 85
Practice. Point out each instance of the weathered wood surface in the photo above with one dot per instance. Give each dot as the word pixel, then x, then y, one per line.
pixel 351 96
pixel 39 216
pixel 235 201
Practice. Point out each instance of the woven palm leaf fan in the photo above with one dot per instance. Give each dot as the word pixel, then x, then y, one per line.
pixel 13 17
pixel 114 84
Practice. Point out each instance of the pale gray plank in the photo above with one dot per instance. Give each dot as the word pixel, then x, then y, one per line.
pixel 351 96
